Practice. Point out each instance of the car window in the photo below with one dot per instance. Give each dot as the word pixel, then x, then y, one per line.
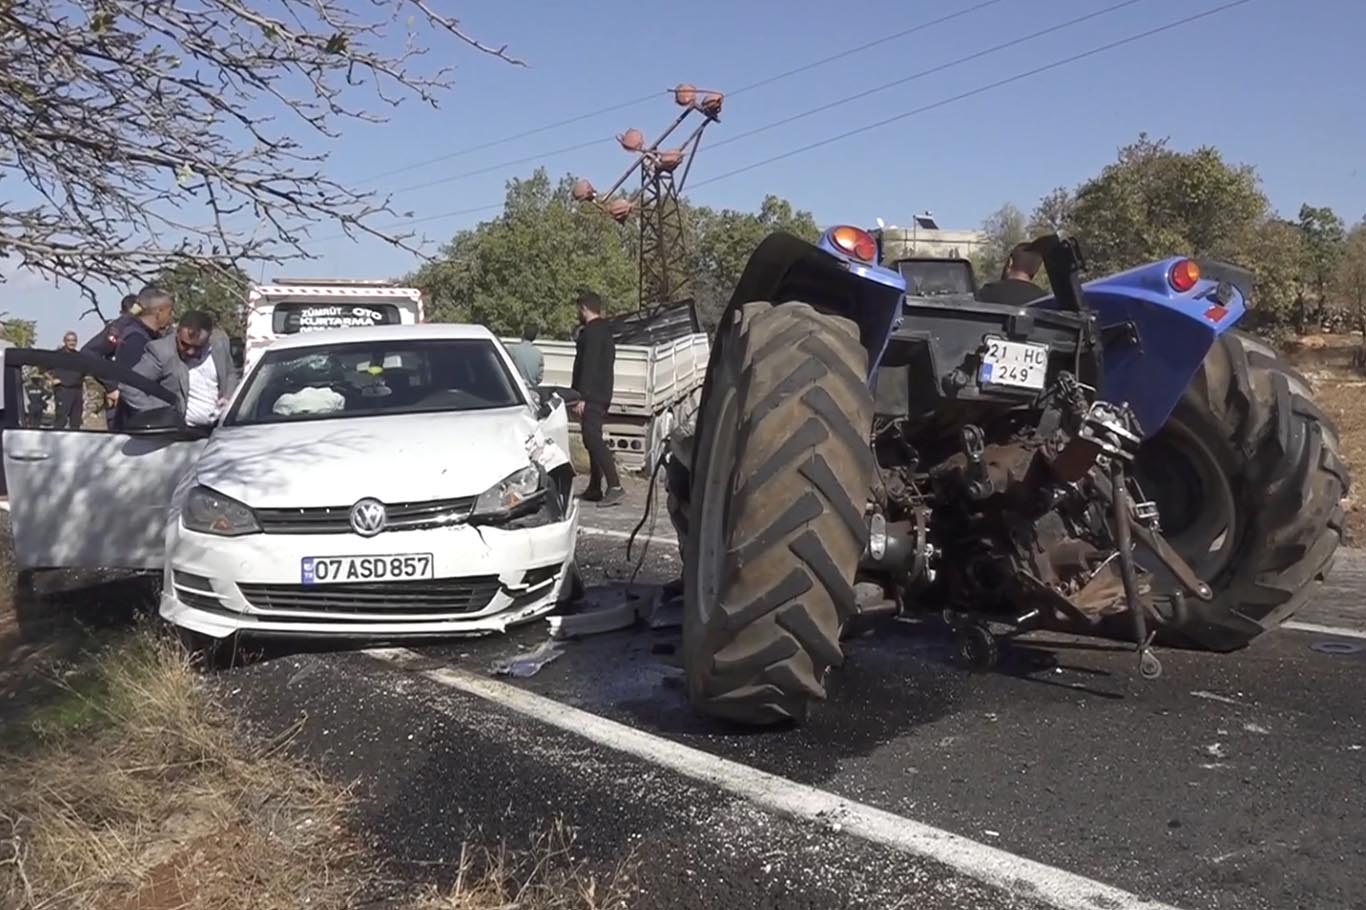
pixel 363 379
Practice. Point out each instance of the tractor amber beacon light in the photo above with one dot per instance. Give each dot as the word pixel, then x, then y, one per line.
pixel 1184 275
pixel 855 241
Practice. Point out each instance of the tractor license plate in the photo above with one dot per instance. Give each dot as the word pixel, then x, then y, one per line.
pixel 1021 364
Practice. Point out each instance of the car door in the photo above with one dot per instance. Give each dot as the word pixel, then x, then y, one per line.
pixel 90 498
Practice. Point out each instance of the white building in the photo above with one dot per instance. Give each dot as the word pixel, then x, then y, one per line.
pixel 926 239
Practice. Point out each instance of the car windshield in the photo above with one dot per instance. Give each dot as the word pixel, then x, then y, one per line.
pixel 375 378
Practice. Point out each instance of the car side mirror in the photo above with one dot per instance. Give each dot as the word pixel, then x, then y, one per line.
pixel 544 409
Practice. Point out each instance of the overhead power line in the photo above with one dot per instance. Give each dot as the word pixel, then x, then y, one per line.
pixel 943 102
pixel 838 102
pixel 847 134
pixel 596 112
pixel 938 68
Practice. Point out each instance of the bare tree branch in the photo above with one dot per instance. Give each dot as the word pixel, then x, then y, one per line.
pixel 139 134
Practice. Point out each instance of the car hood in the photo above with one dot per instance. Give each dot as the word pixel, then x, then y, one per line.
pixel 393 458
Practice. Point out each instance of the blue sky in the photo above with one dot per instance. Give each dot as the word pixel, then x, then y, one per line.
pixel 1272 83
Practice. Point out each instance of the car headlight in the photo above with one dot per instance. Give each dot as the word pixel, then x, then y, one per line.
pixel 209 512
pixel 512 494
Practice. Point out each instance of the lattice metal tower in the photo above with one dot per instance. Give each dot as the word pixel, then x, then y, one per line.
pixel 664 276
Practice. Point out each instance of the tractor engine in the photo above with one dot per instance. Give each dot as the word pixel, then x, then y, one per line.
pixel 1014 513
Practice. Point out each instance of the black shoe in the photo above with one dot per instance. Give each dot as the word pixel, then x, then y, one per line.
pixel 591 495
pixel 613 496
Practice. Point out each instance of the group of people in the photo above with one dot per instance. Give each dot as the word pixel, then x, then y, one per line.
pixel 189 358
pixel 595 354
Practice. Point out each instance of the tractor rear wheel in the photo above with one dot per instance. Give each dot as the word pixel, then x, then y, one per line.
pixel 1249 487
pixel 778 488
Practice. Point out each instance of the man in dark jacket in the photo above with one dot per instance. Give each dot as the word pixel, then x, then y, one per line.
pixel 594 365
pixel 106 342
pixel 154 316
pixel 68 390
pixel 1016 285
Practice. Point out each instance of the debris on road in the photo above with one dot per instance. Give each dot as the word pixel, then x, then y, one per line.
pixel 625 606
pixel 530 663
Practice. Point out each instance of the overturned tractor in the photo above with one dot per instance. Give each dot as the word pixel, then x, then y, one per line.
pixel 1113 459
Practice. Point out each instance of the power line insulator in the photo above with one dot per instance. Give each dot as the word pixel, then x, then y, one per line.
pixel 619 209
pixel 711 103
pixel 669 160
pixel 584 191
pixel 685 95
pixel 633 140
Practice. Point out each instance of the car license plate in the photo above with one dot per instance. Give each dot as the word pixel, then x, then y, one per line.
pixel 323 570
pixel 1021 364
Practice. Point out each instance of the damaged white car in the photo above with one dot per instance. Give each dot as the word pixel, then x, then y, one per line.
pixel 372 483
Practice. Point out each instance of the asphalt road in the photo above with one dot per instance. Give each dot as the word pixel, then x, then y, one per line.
pixel 1235 781
pixel 1063 780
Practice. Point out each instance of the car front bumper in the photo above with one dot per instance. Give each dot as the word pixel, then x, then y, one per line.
pixel 219 586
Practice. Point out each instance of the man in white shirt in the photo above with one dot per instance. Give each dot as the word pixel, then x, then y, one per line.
pixel 193 364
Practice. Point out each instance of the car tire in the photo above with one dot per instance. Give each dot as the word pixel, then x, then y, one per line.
pixel 1249 487
pixel 778 490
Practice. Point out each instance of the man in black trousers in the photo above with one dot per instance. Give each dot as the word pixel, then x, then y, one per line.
pixel 68 390
pixel 594 362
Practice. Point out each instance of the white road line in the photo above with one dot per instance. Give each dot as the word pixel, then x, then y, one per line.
pixel 1013 874
pixel 1341 631
pixel 642 537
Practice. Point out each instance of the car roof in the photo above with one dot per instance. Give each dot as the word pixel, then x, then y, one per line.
pixel 425 331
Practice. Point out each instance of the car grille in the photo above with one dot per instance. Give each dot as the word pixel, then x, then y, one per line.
pixel 387 600
pixel 404 516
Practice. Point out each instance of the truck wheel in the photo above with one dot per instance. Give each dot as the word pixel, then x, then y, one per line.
pixel 1249 487
pixel 778 489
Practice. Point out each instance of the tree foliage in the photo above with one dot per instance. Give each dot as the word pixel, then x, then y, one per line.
pixel 139 134
pixel 1325 240
pixel 1003 228
pixel 528 264
pixel 720 243
pixel 220 290
pixel 1155 202
pixel 1349 279
pixel 21 333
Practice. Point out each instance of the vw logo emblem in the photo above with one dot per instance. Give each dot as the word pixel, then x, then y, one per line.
pixel 368 517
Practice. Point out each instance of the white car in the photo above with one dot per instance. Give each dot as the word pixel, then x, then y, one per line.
pixel 373 482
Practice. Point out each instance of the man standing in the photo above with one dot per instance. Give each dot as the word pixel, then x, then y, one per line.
pixel 594 362
pixel 193 364
pixel 154 314
pixel 528 357
pixel 68 390
pixel 105 343
pixel 1016 286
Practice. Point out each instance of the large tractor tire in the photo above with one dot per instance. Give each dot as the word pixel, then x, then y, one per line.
pixel 779 484
pixel 1249 487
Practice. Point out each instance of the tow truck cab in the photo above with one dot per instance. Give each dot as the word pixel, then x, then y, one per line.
pixel 287 306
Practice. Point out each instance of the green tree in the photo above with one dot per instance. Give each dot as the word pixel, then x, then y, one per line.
pixel 529 262
pixel 22 333
pixel 1053 214
pixel 720 243
pixel 1003 228
pixel 1275 250
pixel 1325 239
pixel 1349 282
pixel 1155 202
pixel 219 290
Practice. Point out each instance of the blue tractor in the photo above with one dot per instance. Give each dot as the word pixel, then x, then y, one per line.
pixel 1114 458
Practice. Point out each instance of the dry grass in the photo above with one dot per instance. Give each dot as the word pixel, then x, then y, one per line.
pixel 548 876
pixel 131 791
pixel 134 794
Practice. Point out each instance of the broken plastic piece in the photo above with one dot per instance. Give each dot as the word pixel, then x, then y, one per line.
pixel 530 663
